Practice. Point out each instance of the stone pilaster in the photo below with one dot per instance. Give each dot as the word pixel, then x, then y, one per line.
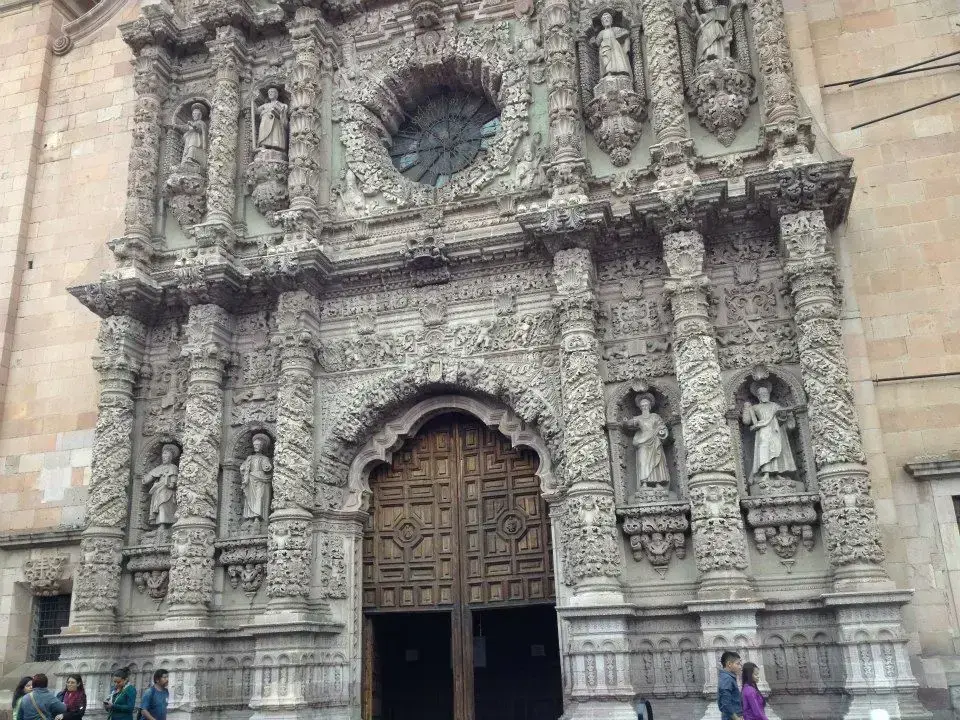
pixel 290 542
pixel 591 550
pixel 97 585
pixel 566 169
pixel 227 55
pixel 150 82
pixel 850 527
pixel 208 334
pixel 311 60
pixel 717 527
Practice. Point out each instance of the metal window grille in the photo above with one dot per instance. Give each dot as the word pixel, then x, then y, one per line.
pixel 50 615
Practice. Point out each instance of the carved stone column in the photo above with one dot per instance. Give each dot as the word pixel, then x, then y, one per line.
pixel 96 589
pixel 208 334
pixel 590 547
pixel 150 81
pixel 567 167
pixel 311 58
pixel 290 541
pixel 850 527
pixel 593 559
pixel 781 115
pixel 718 534
pixel 667 108
pixel 227 55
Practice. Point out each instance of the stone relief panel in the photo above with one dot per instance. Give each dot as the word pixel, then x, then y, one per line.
pixel 163 381
pixel 750 304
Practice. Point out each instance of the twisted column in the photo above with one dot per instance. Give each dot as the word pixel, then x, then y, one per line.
pixel 719 542
pixel 666 79
pixel 227 55
pixel 311 59
pixel 191 555
pixel 567 168
pixel 290 537
pixel 150 82
pixel 850 526
pixel 96 589
pixel 590 545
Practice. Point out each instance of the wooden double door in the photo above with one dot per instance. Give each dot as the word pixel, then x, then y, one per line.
pixel 458 582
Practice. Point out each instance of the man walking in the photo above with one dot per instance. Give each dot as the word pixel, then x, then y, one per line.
pixel 153 704
pixel 728 692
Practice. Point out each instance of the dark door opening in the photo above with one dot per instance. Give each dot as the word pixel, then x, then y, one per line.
pixel 409 676
pixel 516 659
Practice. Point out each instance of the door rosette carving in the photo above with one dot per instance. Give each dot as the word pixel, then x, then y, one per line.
pixel 716 64
pixel 611 77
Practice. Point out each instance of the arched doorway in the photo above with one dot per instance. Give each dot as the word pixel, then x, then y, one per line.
pixel 458 581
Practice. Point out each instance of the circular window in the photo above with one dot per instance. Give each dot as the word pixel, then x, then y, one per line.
pixel 443 137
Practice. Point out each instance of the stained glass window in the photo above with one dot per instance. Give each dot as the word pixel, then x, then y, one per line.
pixel 443 137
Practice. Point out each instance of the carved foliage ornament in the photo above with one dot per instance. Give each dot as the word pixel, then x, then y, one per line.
pixel 377 105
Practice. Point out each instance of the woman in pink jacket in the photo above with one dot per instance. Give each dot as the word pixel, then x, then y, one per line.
pixel 753 701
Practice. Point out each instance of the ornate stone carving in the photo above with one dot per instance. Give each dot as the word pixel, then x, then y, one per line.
pixel 849 518
pixel 482 59
pixel 783 522
pixel 162 484
pixel 256 475
pixel 245 562
pixel 717 525
pixel 649 432
pixel 266 176
pixel 333 567
pixel 290 556
pixel 97 587
pixel 614 109
pixel 186 186
pixel 425 257
pixel 657 532
pixel 43 574
pixel 716 64
pixel 150 567
pixel 589 548
pixel 773 468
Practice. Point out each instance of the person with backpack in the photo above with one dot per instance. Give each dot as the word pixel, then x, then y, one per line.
pixel 40 703
pixel 123 700
pixel 153 704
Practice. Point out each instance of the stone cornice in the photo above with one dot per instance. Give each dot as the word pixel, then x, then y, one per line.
pixel 57 537
pixel 826 186
pixel 934 467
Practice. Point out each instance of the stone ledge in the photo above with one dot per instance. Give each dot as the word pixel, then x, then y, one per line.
pixel 38 539
pixel 934 467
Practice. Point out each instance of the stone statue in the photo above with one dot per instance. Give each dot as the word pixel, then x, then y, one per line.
pixel 650 431
pixel 256 473
pixel 274 121
pixel 614 44
pixel 163 487
pixel 713 28
pixel 195 140
pixel 772 455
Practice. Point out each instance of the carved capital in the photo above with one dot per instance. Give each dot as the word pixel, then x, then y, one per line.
pixel 657 532
pixel 150 567
pixel 589 546
pixel 245 562
pixel 783 522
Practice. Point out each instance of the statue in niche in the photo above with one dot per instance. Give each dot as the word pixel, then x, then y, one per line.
pixel 162 481
pixel 195 138
pixel 614 45
pixel 256 474
pixel 649 434
pixel 713 29
pixel 274 122
pixel 773 462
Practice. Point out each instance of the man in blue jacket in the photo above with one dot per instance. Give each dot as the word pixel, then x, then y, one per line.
pixel 728 692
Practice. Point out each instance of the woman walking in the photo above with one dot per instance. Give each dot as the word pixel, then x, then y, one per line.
pixel 754 703
pixel 74 697
pixel 123 699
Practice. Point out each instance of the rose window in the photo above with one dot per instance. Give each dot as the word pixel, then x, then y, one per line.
pixel 444 136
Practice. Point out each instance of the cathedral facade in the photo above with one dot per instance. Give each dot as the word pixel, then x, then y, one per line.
pixel 452 352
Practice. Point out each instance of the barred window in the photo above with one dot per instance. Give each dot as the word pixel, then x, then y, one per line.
pixel 50 615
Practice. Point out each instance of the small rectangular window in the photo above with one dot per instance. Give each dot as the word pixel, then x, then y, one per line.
pixel 50 615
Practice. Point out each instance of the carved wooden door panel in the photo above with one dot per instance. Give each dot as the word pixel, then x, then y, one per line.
pixel 457 522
